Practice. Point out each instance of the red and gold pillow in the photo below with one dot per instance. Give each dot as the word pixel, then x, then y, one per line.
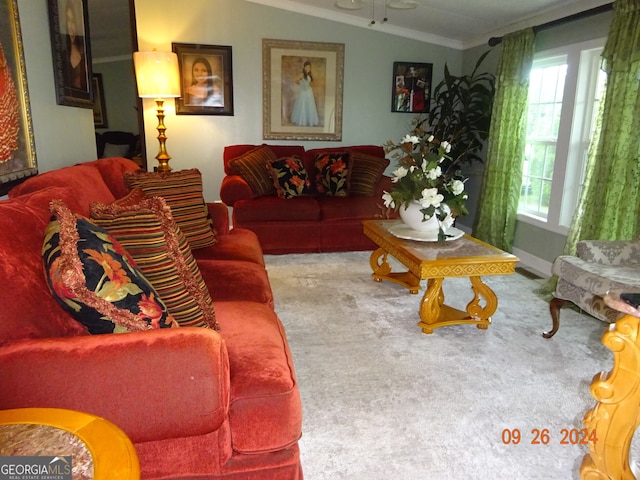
pixel 253 166
pixel 182 191
pixel 365 173
pixel 333 174
pixel 92 276
pixel 147 231
pixel 290 178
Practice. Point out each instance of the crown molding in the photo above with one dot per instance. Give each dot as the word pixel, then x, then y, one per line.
pixel 361 22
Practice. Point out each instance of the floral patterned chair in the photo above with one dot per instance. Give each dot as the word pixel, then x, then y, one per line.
pixel 598 267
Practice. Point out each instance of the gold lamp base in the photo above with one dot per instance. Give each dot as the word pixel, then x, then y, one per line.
pixel 162 156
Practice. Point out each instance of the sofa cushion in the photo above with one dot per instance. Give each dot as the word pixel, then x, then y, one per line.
pixel 274 209
pixel 365 173
pixel 112 171
pixel 253 167
pixel 350 208
pixel 182 191
pixel 94 278
pixel 290 177
pixel 333 174
pixel 145 228
pixel 25 295
pixel 265 411
pixel 238 244
pixel 85 181
pixel 231 152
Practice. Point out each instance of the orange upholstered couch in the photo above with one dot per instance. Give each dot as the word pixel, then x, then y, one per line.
pixel 196 403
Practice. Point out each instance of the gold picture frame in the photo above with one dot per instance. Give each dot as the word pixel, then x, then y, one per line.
pixel 302 85
pixel 17 146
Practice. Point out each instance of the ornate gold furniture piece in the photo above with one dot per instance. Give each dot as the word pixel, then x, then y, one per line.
pixel 616 415
pixel 432 261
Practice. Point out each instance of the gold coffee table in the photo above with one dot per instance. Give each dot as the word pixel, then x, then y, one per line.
pixel 433 261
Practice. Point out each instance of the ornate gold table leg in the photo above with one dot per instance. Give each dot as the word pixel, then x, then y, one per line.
pixel 611 424
pixel 382 271
pixel 434 313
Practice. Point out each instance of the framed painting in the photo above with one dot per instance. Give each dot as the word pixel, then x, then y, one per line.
pixel 302 90
pixel 206 79
pixel 17 147
pixel 99 106
pixel 411 87
pixel 71 51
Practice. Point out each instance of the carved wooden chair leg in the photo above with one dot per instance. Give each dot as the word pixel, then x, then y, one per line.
pixel 554 308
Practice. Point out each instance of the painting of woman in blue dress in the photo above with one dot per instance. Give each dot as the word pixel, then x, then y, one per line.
pixel 305 112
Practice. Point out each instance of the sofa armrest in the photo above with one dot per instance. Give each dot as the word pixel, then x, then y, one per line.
pixel 219 214
pixel 154 385
pixel 609 252
pixel 234 188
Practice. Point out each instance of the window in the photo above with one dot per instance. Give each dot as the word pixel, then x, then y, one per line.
pixel 564 92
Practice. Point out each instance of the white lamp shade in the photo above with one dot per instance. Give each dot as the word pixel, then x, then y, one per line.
pixel 157 74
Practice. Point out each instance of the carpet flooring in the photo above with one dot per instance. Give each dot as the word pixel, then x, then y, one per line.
pixel 383 401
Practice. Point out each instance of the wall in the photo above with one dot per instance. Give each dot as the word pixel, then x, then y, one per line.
pixel 119 92
pixel 536 246
pixel 63 135
pixel 198 141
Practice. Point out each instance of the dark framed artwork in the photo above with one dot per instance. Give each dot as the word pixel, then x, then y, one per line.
pixel 302 86
pixel 99 106
pixel 17 146
pixel 206 79
pixel 71 51
pixel 411 87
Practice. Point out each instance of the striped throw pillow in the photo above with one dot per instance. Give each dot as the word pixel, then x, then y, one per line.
pixel 253 166
pixel 365 173
pixel 182 190
pixel 161 251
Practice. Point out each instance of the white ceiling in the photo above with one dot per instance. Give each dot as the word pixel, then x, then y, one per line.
pixel 457 24
pixel 454 23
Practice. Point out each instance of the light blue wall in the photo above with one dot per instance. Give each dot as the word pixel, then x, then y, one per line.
pixel 120 94
pixel 63 135
pixel 198 141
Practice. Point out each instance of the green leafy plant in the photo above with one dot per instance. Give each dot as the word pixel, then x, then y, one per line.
pixel 461 112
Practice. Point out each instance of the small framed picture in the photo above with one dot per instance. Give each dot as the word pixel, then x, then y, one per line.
pixel 411 87
pixel 69 27
pixel 206 79
pixel 99 107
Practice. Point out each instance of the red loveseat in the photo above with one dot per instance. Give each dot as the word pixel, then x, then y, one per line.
pixel 196 403
pixel 309 223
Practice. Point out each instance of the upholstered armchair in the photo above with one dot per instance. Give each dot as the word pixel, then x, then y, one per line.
pixel 598 267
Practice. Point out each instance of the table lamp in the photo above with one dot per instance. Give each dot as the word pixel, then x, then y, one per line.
pixel 157 77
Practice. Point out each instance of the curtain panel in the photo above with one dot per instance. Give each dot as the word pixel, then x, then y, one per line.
pixel 496 219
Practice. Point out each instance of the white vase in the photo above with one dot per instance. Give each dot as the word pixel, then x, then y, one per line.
pixel 413 218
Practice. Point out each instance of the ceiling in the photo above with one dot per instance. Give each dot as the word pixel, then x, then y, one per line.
pixel 457 24
pixel 454 23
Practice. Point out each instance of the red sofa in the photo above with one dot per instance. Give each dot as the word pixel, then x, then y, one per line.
pixel 314 223
pixel 196 403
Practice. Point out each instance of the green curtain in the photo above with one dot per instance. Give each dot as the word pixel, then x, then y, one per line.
pixel 609 207
pixel 496 219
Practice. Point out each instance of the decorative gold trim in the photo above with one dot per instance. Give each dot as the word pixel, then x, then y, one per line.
pixel 23 163
pixel 616 415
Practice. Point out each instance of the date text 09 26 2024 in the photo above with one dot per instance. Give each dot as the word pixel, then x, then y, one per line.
pixel 544 436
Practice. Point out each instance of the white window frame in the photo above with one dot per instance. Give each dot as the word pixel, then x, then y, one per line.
pixel 583 62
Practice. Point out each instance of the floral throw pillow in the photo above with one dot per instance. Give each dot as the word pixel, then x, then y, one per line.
pixel 290 177
pixel 94 278
pixel 333 174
